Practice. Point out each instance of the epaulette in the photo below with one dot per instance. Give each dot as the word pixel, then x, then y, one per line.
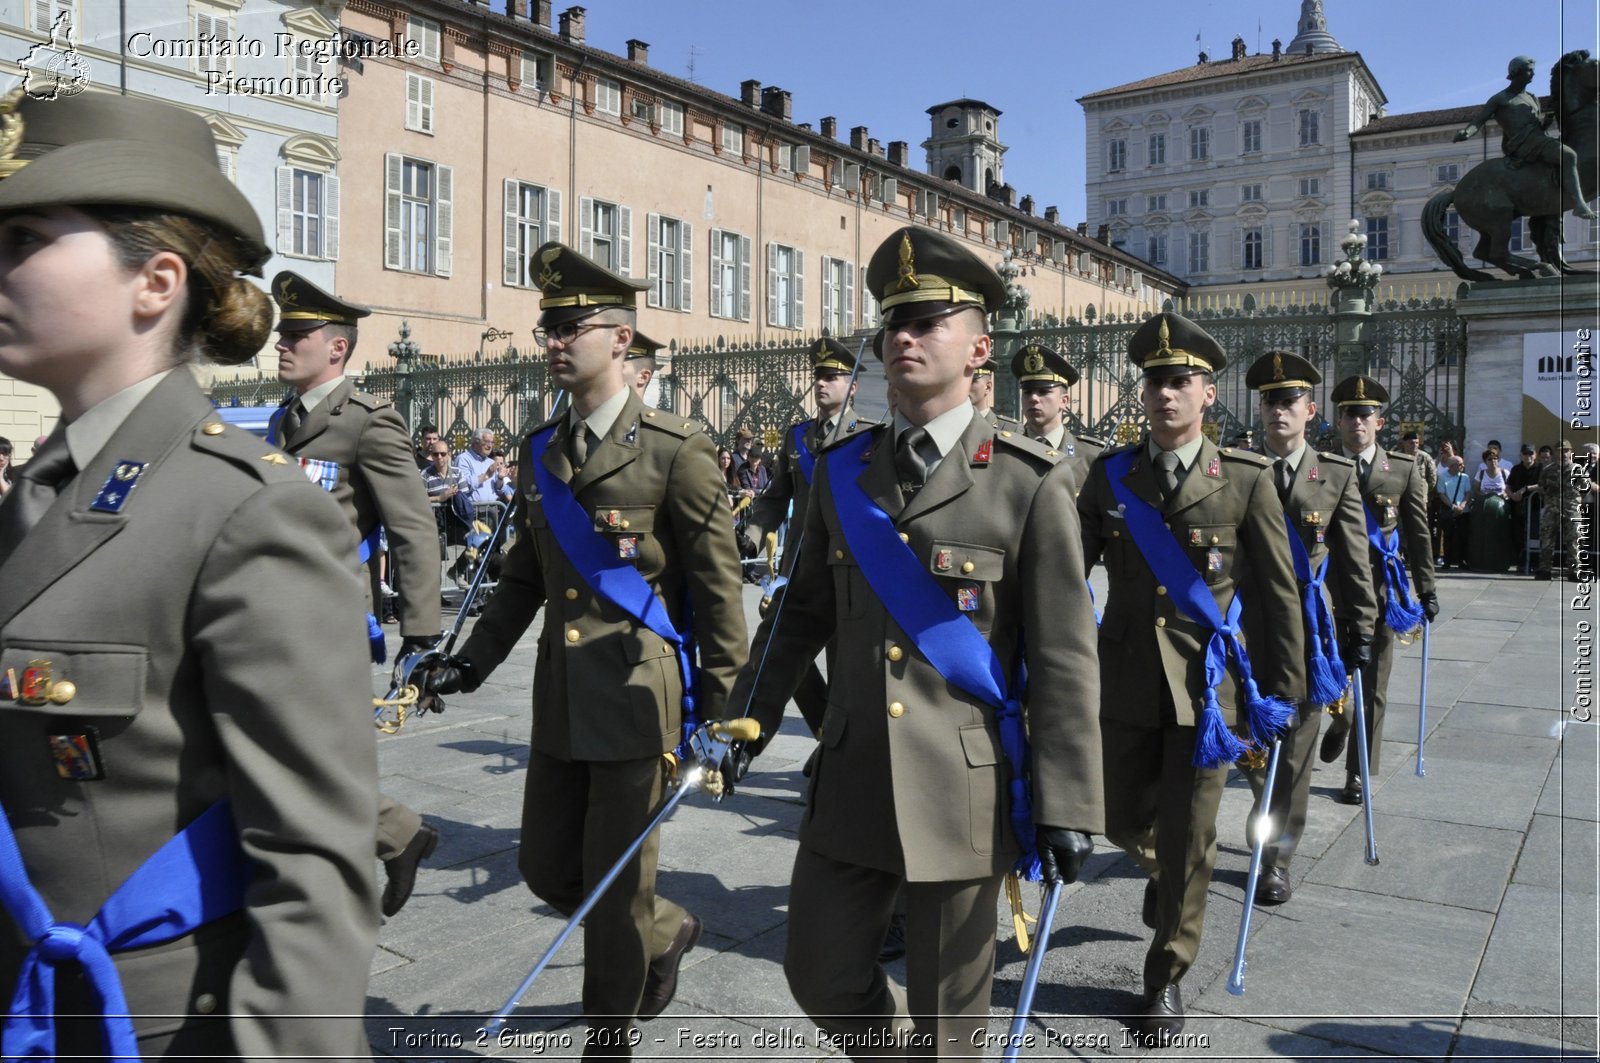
pixel 1117 449
pixel 246 450
pixel 1093 441
pixel 366 401
pixel 1395 455
pixel 670 423
pixel 1249 457
pixel 1034 448
pixel 1335 459
pixel 849 431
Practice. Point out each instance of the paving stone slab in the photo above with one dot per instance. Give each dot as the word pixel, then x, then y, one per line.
pixel 1541 954
pixel 1447 679
pixel 1474 777
pixel 1463 647
pixel 1571 789
pixel 1445 863
pixel 1515 1038
pixel 1499 719
pixel 1559 854
pixel 1532 685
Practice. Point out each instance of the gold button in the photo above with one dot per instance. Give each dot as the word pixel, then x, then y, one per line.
pixel 838 555
pixel 1161 590
pixel 650 416
pixel 577 469
pixel 572 594
pixel 895 653
pixel 1116 533
pixel 1161 621
pixel 1005 435
pixel 63 691
pixel 572 634
pixel 967 567
pixel 1052 453
pixel 904 537
pixel 896 709
pixel 205 1003
pixel 213 428
pixel 624 525
pixel 1215 540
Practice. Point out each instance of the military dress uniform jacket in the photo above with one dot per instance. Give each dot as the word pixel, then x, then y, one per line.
pixel 378 484
pixel 212 628
pixel 1398 497
pixel 911 778
pixel 1324 507
pixel 1228 520
pixel 771 507
pixel 606 687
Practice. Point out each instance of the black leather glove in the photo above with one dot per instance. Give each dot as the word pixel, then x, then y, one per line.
pixel 417 643
pixel 1357 649
pixel 1062 853
pixel 1430 605
pixel 735 766
pixel 747 546
pixel 454 675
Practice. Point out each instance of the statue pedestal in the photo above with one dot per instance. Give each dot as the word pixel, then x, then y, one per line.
pixel 1514 392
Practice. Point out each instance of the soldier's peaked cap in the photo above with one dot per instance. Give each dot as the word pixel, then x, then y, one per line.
pixel 1281 370
pixel 919 273
pixel 828 355
pixel 302 306
pixel 99 149
pixel 573 287
pixel 642 347
pixel 1171 343
pixel 1036 363
pixel 1359 391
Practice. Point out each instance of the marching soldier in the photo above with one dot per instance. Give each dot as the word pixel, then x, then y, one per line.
pixel 358 449
pixel 983 397
pixel 1396 503
pixel 1559 528
pixel 1328 542
pixel 831 366
pixel 639 490
pixel 916 523
pixel 1180 526
pixel 642 364
pixel 1044 377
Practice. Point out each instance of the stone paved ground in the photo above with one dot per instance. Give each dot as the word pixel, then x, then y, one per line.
pixel 1474 938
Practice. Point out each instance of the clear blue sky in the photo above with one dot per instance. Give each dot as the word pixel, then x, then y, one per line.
pixel 883 64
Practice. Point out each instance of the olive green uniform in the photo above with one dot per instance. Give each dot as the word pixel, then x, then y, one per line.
pixel 1559 521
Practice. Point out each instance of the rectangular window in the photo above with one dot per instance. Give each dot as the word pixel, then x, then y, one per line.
pixel 733 138
pixel 1199 252
pixel 306 214
pixel 605 234
pixel 536 71
pixel 608 96
pixel 1250 194
pixel 838 296
pixel 1310 244
pixel 1519 236
pixel 870 314
pixel 1592 228
pixel 1199 144
pixel 671 263
pixel 1378 239
pixel 730 275
pixel 418 215
pixel 1158 149
pixel 1156 249
pixel 43 14
pixel 786 286
pixel 419 103
pixel 532 217
pixel 1452 226
pixel 426 33
pixel 1155 204
pixel 1250 137
pixel 213 37
pixel 1116 206
pixel 1378 180
pixel 1448 174
pixel 1311 186
pixel 1116 155
pixel 1252 249
pixel 1310 122
pixel 671 115
pixel 1202 198
pixel 644 110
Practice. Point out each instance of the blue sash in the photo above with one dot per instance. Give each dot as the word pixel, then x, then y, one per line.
pixel 1265 715
pixel 198 876
pixel 808 460
pixel 1401 611
pixel 940 632
pixel 1323 665
pixel 613 578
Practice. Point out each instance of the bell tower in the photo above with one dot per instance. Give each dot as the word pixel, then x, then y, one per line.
pixel 1311 33
pixel 964 145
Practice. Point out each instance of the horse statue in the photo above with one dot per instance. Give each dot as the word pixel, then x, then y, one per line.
pixel 1493 194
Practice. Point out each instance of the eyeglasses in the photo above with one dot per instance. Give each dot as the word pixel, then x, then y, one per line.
pixel 564 333
pixel 440 454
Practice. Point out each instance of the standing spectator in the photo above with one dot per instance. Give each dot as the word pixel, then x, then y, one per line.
pixel 1502 464
pixel 1411 443
pixel 484 475
pixel 1490 480
pixel 5 466
pixel 1547 454
pixel 1489 546
pixel 1558 531
pixel 1454 495
pixel 1447 450
pixel 430 436
pixel 1522 488
pixel 743 440
pixel 508 476
pixel 730 479
pixel 754 476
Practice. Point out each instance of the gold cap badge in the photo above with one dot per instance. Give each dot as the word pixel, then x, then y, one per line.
pixel 908 269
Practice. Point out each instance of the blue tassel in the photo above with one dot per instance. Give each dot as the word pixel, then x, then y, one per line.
pixel 1402 618
pixel 1268 718
pixel 1327 682
pixel 1214 744
pixel 380 652
pixel 1028 868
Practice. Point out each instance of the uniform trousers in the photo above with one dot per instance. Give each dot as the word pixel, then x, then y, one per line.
pixel 838 915
pixel 1162 810
pixel 577 818
pixel 1377 689
pixel 1291 791
pixel 397 825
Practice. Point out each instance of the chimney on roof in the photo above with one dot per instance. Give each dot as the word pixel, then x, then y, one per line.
pixel 777 102
pixel 1277 49
pixel 1103 234
pixel 1238 48
pixel 1052 215
pixel 572 25
pixel 1008 195
pixel 897 152
pixel 750 93
pixel 638 52
pixel 874 147
pixel 541 14
pixel 1083 228
pixel 830 127
pixel 516 8
pixel 1026 205
pixel 858 137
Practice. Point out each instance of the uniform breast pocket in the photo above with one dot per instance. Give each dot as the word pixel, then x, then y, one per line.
pixel 630 528
pixel 86 693
pixel 849 585
pixel 1211 550
pixel 968 572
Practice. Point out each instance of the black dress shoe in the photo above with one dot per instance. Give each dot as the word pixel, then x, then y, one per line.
pixel 402 870
pixel 661 980
pixel 1162 1019
pixel 1333 741
pixel 1148 912
pixel 894 942
pixel 1273 886
pixel 1351 794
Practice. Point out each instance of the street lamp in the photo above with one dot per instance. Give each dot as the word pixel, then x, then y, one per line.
pixel 1354 280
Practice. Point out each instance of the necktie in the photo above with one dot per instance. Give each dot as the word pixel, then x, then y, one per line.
pixel 583 444
pixel 910 462
pixel 1167 473
pixel 293 418
pixel 1363 470
pixel 823 433
pixel 35 491
pixel 1280 469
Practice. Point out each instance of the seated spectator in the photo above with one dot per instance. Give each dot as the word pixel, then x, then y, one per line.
pixel 508 473
pixel 754 476
pixel 1454 495
pixel 5 466
pixel 442 480
pixel 483 475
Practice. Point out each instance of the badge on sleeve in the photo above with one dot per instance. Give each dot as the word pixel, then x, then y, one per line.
pixel 628 546
pixel 118 486
pixel 968 599
pixel 77 756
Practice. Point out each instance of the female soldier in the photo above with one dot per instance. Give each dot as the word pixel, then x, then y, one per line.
pixel 186 768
